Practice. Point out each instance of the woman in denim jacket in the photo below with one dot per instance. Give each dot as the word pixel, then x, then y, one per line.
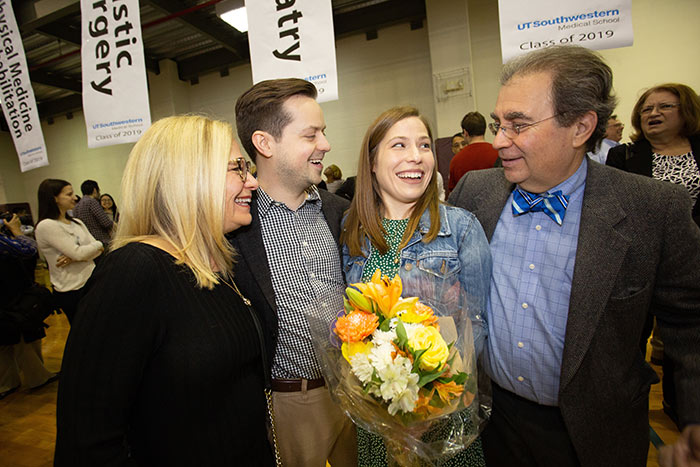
pixel 396 224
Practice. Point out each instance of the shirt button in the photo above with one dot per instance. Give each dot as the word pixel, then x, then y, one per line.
pixel 524 305
pixel 312 275
pixel 538 227
pixel 520 345
pixel 324 304
pixel 305 243
pixel 532 266
pixel 521 379
pixel 408 266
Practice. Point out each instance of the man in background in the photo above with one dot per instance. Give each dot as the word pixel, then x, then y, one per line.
pixel 477 155
pixel 89 210
pixel 613 135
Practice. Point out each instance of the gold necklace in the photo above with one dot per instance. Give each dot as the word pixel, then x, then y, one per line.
pixel 234 287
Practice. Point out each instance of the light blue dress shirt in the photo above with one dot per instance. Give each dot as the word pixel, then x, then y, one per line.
pixel 533 265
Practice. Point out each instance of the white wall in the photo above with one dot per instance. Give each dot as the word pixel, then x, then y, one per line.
pixel 373 76
pixel 394 69
pixel 665 49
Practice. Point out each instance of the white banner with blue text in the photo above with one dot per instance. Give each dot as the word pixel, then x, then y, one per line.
pixel 293 39
pixel 537 24
pixel 115 91
pixel 17 95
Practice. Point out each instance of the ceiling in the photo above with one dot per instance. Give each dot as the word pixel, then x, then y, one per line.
pixel 188 32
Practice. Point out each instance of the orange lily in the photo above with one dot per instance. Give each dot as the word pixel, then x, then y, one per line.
pixel 423 406
pixel 448 391
pixel 383 291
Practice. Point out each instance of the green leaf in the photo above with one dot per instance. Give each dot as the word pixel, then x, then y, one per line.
pixel 401 334
pixel 460 378
pixel 416 359
pixel 347 305
pixel 429 377
pixel 385 326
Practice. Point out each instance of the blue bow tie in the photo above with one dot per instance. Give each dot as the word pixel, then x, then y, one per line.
pixel 552 204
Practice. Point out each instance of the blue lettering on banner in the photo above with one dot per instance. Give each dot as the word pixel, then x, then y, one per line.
pixel 567 19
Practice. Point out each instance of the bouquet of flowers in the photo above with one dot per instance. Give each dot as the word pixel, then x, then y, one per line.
pixel 402 369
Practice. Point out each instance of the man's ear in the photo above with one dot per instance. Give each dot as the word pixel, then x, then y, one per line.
pixel 264 143
pixel 583 128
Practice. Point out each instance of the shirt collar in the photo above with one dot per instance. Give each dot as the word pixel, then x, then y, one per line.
pixel 265 201
pixel 574 182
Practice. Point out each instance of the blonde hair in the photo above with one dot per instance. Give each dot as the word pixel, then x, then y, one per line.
pixel 173 187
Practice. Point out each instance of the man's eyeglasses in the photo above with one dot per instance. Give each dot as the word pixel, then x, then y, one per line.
pixel 512 132
pixel 664 107
pixel 240 165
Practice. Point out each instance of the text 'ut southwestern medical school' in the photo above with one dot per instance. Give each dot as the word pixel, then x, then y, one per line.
pixel 565 22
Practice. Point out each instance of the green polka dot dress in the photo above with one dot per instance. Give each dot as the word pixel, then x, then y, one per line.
pixel 371 451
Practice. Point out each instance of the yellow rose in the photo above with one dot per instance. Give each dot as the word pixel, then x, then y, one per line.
pixel 428 337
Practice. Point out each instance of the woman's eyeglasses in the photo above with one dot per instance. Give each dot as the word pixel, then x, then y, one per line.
pixel 664 107
pixel 240 165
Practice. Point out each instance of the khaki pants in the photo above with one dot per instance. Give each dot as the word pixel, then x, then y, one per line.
pixel 312 429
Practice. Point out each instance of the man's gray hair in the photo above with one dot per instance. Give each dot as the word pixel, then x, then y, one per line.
pixel 581 81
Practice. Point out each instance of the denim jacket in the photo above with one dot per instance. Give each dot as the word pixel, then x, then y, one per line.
pixel 459 259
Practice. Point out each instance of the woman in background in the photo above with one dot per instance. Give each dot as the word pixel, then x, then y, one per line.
pixel 334 178
pixel 110 207
pixel 66 243
pixel 397 224
pixel 164 364
pixel 666 142
pixel 666 146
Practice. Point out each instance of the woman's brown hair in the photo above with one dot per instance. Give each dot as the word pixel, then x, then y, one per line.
pixel 689 109
pixel 364 217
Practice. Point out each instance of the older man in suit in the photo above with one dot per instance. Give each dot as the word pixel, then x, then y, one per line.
pixel 289 264
pixel 581 253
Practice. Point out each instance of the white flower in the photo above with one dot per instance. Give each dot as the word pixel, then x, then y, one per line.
pixel 361 367
pixel 394 377
pixel 406 401
pixel 383 337
pixel 380 355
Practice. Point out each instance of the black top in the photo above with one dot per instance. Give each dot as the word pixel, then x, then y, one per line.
pixel 159 372
pixel 638 158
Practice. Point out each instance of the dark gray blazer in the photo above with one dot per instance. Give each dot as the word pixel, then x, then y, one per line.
pixel 252 271
pixel 638 250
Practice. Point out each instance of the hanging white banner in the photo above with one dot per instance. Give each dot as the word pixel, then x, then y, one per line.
pixel 293 39
pixel 18 102
pixel 115 91
pixel 537 24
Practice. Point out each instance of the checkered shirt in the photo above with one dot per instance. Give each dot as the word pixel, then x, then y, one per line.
pixel 306 277
pixel 95 219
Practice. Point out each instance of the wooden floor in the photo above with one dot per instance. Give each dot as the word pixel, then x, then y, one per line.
pixel 28 418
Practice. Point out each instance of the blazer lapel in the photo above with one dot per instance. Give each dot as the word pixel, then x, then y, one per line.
pixel 332 212
pixel 489 201
pixel 251 247
pixel 600 253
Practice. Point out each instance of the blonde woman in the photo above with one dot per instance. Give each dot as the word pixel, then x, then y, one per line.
pixel 163 364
